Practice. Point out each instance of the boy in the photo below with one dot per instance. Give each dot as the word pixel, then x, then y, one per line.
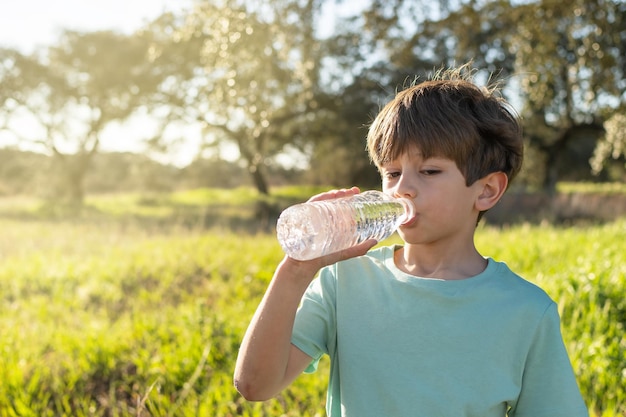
pixel 431 327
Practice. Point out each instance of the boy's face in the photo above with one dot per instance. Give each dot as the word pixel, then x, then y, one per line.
pixel 445 205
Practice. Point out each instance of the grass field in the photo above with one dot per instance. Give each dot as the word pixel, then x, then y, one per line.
pixel 136 306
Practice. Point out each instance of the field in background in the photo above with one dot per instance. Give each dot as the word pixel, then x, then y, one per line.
pixel 136 306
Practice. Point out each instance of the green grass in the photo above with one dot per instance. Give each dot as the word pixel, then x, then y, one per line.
pixel 589 187
pixel 124 312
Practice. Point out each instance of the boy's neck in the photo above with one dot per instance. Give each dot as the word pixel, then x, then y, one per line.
pixel 428 262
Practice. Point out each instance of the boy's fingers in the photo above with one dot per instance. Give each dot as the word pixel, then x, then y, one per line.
pixel 328 195
pixel 352 252
pixel 318 263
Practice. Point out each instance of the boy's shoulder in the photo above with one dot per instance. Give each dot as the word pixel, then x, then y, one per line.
pixel 498 278
pixel 509 278
pixel 517 293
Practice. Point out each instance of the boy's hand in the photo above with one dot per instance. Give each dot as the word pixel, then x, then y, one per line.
pixel 329 195
pixel 309 268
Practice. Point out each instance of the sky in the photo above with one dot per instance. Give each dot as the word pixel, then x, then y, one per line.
pixel 26 24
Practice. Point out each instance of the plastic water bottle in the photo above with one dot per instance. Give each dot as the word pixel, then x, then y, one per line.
pixel 313 229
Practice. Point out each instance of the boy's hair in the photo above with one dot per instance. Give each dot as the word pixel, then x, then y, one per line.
pixel 450 116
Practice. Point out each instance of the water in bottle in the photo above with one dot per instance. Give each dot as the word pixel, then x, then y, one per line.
pixel 313 229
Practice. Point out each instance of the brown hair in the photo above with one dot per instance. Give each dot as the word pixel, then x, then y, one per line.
pixel 450 116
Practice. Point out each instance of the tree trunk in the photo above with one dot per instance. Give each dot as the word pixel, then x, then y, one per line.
pixel 72 170
pixel 254 161
pixel 259 180
pixel 551 172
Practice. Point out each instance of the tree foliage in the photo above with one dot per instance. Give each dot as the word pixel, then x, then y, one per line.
pixel 71 93
pixel 613 145
pixel 247 73
pixel 565 60
pixel 286 79
pixel 575 71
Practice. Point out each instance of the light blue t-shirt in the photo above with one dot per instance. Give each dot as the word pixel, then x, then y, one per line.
pixel 406 346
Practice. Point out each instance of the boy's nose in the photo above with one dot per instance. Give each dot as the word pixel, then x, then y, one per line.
pixel 406 188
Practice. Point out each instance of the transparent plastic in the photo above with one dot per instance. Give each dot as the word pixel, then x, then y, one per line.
pixel 313 229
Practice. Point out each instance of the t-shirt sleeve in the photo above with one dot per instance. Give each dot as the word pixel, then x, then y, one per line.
pixel 549 387
pixel 314 330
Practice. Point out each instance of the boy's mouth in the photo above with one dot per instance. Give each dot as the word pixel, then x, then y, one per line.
pixel 410 221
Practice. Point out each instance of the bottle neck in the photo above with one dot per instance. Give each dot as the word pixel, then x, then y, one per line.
pixel 408 204
pixel 409 208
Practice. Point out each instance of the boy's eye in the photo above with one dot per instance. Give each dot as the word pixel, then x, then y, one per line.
pixel 392 175
pixel 430 171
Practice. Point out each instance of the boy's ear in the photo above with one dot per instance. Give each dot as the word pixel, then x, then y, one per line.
pixel 493 186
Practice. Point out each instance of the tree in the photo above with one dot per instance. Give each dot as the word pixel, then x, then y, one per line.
pixel 565 60
pixel 245 72
pixel 613 145
pixel 70 93
pixel 576 71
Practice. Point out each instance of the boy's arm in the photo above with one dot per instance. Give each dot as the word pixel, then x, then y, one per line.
pixel 267 361
pixel 549 384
